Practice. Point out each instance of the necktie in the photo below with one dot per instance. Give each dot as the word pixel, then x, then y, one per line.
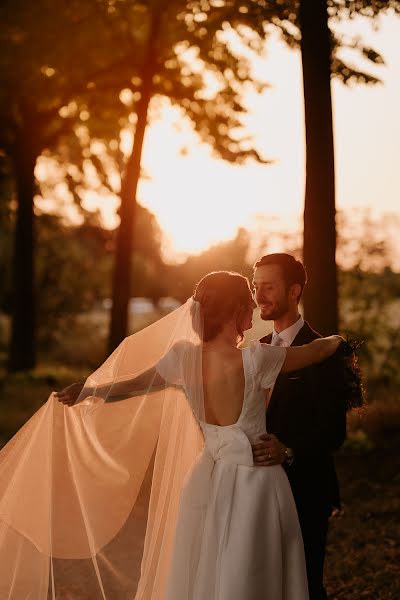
pixel 277 341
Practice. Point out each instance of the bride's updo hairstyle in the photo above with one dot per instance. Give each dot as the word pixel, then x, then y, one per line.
pixel 222 295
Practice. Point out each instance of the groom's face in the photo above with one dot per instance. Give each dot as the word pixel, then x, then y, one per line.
pixel 270 292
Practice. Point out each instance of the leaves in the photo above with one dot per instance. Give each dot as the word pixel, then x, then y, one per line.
pixel 42 71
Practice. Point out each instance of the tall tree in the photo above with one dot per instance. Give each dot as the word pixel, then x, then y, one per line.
pixel 45 88
pixel 319 58
pixel 121 284
pixel 198 25
pixel 63 95
pixel 22 119
pixel 32 93
pixel 174 28
pixel 319 245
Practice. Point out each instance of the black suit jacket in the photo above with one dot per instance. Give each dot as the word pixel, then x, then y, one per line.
pixel 307 412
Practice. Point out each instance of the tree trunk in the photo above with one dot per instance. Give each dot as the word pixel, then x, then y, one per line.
pixel 320 294
pixel 121 285
pixel 22 353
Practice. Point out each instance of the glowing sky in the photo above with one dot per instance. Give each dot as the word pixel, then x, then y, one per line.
pixel 199 200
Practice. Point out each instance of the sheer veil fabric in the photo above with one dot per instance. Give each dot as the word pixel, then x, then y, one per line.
pixel 89 495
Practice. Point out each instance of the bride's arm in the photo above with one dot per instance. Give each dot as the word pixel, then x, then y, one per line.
pixel 299 357
pixel 136 386
pixel 166 372
pixel 113 392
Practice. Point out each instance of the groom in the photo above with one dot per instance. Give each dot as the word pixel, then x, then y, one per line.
pixel 306 415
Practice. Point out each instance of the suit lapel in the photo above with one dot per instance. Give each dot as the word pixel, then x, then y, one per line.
pixel 304 336
pixel 266 339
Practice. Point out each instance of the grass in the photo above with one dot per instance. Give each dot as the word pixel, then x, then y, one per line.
pixel 363 556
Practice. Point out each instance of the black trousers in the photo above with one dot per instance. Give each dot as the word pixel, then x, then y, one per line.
pixel 314 528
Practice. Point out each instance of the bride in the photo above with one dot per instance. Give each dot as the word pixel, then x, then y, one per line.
pixel 150 462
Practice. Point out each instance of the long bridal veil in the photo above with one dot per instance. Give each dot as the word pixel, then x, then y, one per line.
pixel 89 494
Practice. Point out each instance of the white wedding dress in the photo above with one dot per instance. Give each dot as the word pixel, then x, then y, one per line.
pixel 238 535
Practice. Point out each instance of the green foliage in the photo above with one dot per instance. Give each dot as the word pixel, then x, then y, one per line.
pixel 64 65
pixel 358 442
pixel 370 309
pixel 73 266
pixel 41 68
pixel 63 103
pixel 283 15
pixel 369 290
pixel 48 90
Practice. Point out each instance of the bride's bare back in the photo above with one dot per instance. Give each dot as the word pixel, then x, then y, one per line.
pixel 223 386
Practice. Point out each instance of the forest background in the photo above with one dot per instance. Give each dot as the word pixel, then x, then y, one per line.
pixel 80 83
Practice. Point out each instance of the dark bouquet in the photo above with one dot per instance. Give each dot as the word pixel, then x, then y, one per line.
pixel 354 391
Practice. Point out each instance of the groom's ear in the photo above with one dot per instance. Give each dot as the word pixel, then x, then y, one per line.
pixel 295 292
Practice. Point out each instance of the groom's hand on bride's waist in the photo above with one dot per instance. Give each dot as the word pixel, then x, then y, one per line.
pixel 269 451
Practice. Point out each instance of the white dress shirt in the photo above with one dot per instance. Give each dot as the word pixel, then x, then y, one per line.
pixel 285 338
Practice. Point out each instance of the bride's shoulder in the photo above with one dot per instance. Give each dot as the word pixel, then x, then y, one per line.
pixel 252 353
pixel 178 351
pixel 177 361
pixel 262 354
pixel 265 362
pixel 256 346
pixel 183 346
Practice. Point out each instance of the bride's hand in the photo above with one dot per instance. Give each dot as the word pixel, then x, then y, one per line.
pixel 70 394
pixel 335 340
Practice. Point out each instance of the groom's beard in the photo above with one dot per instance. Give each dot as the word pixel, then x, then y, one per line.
pixel 272 312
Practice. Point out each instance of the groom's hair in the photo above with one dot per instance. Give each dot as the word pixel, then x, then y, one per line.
pixel 293 270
